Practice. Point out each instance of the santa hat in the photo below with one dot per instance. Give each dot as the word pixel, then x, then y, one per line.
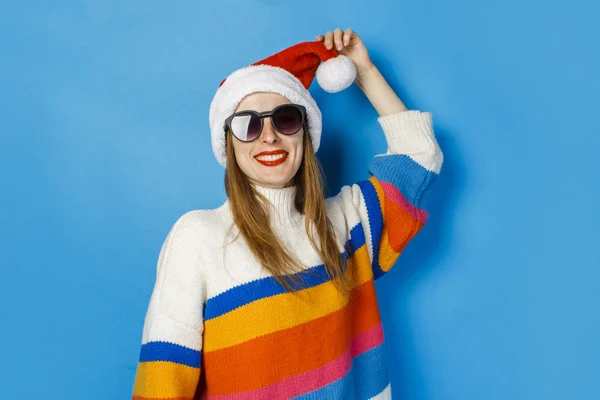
pixel 288 73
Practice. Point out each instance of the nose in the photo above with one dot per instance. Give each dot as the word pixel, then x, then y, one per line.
pixel 269 134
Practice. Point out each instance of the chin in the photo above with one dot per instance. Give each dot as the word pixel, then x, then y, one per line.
pixel 272 183
pixel 275 181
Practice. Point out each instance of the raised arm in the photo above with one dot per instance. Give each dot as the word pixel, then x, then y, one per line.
pixel 386 211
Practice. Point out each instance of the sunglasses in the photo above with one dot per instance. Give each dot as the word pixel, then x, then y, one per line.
pixel 247 125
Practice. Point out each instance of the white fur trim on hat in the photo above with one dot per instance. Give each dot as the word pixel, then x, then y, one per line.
pixel 253 79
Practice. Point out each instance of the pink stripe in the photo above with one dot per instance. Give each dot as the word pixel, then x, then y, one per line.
pixel 396 196
pixel 318 377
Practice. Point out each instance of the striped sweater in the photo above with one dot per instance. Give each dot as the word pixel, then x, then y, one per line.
pixel 218 326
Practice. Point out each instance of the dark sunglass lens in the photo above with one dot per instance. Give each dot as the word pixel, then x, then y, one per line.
pixel 287 119
pixel 246 127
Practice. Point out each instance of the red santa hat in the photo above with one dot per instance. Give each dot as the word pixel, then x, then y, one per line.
pixel 289 73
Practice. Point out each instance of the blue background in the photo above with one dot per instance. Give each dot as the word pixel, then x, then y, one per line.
pixel 105 143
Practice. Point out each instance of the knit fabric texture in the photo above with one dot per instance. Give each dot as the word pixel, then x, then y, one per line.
pixel 218 326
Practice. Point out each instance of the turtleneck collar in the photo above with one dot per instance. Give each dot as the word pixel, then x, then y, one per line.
pixel 283 209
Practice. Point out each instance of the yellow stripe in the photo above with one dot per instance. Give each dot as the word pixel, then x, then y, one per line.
pixel 164 379
pixel 380 194
pixel 241 325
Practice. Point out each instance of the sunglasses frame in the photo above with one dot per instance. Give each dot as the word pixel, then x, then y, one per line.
pixel 261 115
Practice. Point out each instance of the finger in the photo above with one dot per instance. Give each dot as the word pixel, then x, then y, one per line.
pixel 329 40
pixel 320 37
pixel 337 34
pixel 348 36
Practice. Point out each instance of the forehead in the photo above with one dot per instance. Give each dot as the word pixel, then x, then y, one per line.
pixel 261 101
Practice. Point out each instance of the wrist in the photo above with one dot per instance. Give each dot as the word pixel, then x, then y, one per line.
pixel 364 72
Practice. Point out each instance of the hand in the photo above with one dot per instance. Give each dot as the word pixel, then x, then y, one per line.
pixel 349 44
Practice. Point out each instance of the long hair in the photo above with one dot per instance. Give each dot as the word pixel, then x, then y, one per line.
pixel 249 209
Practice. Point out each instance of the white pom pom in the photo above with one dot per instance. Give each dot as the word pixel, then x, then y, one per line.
pixel 336 74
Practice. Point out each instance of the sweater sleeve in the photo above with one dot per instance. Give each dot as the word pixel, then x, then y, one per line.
pixel 385 211
pixel 169 364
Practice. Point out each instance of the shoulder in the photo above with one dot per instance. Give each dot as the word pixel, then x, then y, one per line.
pixel 346 198
pixel 340 208
pixel 347 209
pixel 203 226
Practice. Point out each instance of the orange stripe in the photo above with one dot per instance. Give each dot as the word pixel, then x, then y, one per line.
pixel 401 226
pixel 267 359
pixel 387 255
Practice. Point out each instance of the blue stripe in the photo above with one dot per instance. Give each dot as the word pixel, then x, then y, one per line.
pixel 375 223
pixel 268 286
pixel 164 351
pixel 357 239
pixel 404 173
pixel 366 378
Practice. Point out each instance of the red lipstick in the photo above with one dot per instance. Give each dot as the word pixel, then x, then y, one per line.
pixel 274 162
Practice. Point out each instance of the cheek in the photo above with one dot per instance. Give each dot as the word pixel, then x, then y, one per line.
pixel 300 153
pixel 242 155
pixel 300 149
pixel 299 156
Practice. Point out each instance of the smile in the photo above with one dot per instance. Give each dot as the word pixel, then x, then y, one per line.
pixel 272 160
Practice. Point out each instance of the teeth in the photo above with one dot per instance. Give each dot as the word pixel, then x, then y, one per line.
pixel 271 157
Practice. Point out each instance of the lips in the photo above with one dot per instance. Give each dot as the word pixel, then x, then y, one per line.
pixel 272 163
pixel 270 153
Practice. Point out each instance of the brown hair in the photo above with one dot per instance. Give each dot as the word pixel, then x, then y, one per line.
pixel 250 214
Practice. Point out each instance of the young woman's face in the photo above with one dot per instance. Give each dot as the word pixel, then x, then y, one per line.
pixel 248 154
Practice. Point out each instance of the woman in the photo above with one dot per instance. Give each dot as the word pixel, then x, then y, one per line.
pixel 272 295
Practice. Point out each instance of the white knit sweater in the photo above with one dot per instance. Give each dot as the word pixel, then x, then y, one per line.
pixel 220 326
